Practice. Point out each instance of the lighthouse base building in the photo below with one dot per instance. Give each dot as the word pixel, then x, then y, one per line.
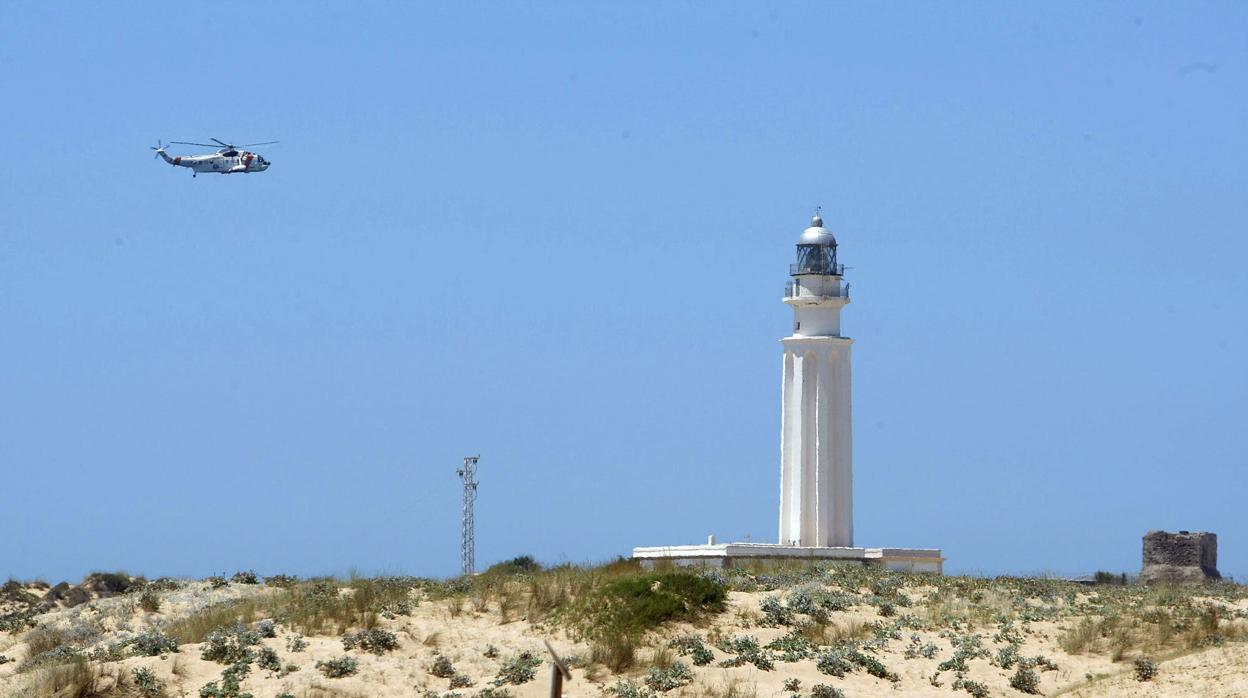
pixel 816 454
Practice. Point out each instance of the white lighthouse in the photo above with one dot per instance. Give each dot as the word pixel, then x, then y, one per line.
pixel 816 453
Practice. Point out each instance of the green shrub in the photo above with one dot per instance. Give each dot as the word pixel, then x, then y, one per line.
pixel 1044 663
pixel 824 691
pixel 461 681
pixel 282 581
pixel 793 647
pixel 746 651
pixel 1103 577
pixel 245 577
pixel 216 582
pixel 524 564
pixel 62 654
pixel 653 599
pixel 390 611
pixel 231 683
pixel 838 602
pixel 111 583
pixel 1025 680
pixel 834 663
pixel 147 683
pixel 376 641
pixel 615 617
pixel 873 666
pixel 1145 669
pixel 296 643
pixel 918 648
pixel 338 668
pixel 674 676
pixel 153 643
pixel 808 599
pixel 628 689
pixel 268 660
pixel 230 645
pixel 975 688
pixel 521 668
pixel 108 652
pixel 774 612
pixel 163 584
pixel 442 667
pixel 693 647
pixel 18 620
pixel 1007 656
pixel 149 600
pixel 792 685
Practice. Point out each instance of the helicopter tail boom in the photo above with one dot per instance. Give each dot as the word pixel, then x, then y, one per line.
pixel 160 152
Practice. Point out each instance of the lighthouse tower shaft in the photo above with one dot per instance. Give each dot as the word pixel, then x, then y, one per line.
pixel 816 455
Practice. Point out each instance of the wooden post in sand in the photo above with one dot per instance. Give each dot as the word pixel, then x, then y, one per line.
pixel 558 672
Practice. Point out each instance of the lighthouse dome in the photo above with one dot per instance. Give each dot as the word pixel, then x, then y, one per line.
pixel 816 234
pixel 816 251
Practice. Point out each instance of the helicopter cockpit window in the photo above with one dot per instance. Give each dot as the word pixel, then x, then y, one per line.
pixel 230 153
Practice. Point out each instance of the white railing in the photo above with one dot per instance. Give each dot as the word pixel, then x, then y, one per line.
pixel 794 288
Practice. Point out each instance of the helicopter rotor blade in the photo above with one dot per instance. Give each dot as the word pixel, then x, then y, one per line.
pixel 227 145
pixel 248 145
pixel 202 145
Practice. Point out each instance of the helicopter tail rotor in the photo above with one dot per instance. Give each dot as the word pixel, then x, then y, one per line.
pixel 160 151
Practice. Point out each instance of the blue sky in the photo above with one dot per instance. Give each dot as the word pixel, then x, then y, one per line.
pixel 556 234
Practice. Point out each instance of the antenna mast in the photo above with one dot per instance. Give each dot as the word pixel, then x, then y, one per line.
pixel 468 545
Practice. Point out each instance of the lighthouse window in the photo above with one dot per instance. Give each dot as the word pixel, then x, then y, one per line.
pixel 815 259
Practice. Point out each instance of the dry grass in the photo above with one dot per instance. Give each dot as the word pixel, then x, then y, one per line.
pixel 315 606
pixel 833 633
pixel 480 602
pixel 1122 630
pixel 1081 638
pixel 455 606
pixel 730 688
pixel 547 593
pixel 317 690
pixel 508 603
pixel 595 673
pixel 43 639
pixel 73 679
pixel 661 656
pixel 195 627
pixel 617 652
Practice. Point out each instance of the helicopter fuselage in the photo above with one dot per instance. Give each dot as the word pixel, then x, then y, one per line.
pixel 226 161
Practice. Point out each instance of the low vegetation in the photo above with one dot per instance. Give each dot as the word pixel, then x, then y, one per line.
pixel 634 633
pixel 338 667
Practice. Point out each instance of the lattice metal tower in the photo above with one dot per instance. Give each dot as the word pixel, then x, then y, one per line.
pixel 468 545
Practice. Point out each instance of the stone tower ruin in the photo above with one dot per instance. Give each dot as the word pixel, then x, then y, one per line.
pixel 1186 556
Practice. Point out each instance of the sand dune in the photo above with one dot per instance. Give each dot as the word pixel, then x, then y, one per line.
pixel 1072 639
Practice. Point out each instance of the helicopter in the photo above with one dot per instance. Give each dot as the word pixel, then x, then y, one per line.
pixel 229 159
